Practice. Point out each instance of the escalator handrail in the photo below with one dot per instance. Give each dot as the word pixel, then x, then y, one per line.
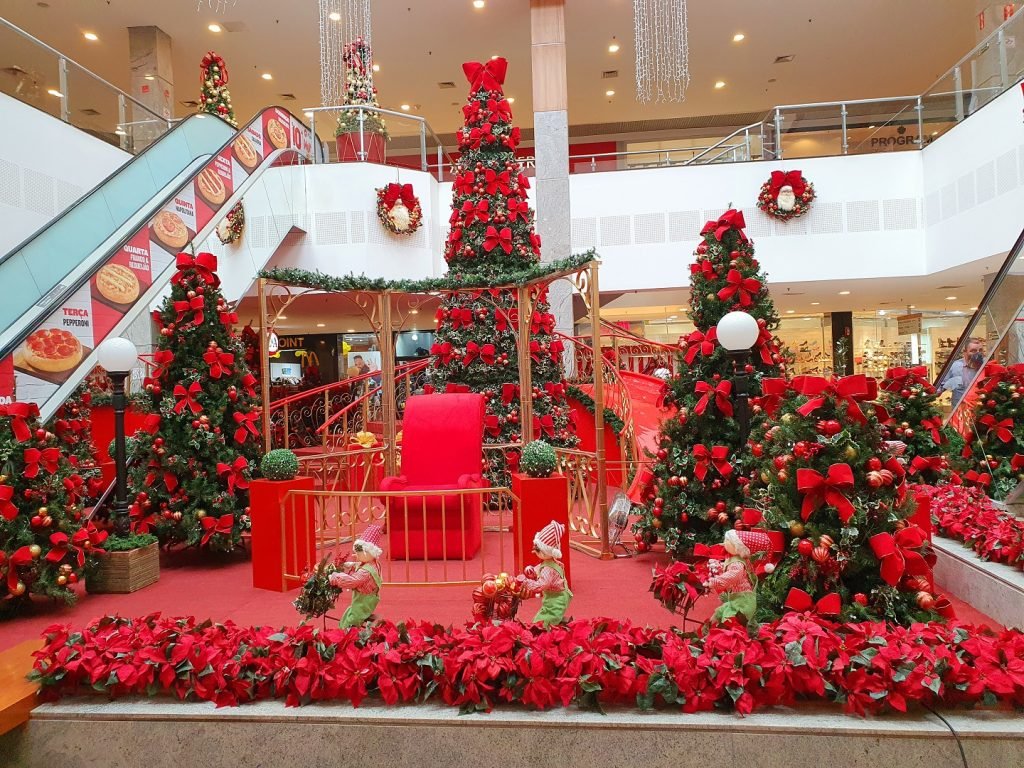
pixel 42 312
pixel 117 171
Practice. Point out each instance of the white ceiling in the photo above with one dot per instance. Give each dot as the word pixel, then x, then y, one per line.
pixel 843 50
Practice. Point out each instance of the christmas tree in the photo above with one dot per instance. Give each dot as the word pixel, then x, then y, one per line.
pixel 72 426
pixel 195 456
pixel 492 238
pixel 699 480
pixel 44 545
pixel 998 448
pixel 825 480
pixel 357 59
pixel 215 98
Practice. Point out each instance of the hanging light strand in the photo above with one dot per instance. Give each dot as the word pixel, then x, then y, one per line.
pixel 662 50
pixel 217 6
pixel 342 22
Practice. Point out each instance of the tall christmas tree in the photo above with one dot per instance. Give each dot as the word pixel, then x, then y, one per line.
pixel 699 477
pixel 195 457
pixel 215 98
pixel 492 238
pixel 826 481
pixel 44 545
pixel 72 426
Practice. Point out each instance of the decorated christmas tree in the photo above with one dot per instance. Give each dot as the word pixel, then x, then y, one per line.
pixel 357 59
pixel 492 238
pixel 215 98
pixel 44 545
pixel 997 450
pixel 195 456
pixel 699 477
pixel 825 480
pixel 72 426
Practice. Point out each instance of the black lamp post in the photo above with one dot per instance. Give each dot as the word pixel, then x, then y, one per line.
pixel 117 357
pixel 737 333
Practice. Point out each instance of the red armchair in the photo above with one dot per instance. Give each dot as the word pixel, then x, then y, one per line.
pixel 442 449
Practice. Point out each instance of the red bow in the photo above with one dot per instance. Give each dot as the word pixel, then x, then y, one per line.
pixel 465 182
pixel 518 209
pixel 535 242
pixel 509 392
pixel 75 487
pixel 506 319
pixel 794 179
pixel 720 393
pixel 495 181
pixel 478 211
pixel 234 473
pixel 500 110
pixel 249 382
pixel 904 378
pixel 798 600
pixel 474 350
pixel 556 391
pixel 700 343
pixel 983 479
pixel 490 75
pixel 766 345
pixel 494 238
pixel 556 348
pixel 731 219
pixel 20 558
pixel 204 264
pixel 195 305
pixel 933 425
pixel 7 508
pixel 535 351
pixel 705 268
pixel 187 397
pixel 140 523
pixel 542 322
pixel 460 317
pixel 395 192
pixel 62 546
pixel 18 413
pixel 151 423
pixel 828 490
pixel 747 287
pixel 228 319
pixel 169 478
pixel 995 373
pixel 772 392
pixel 451 387
pixel 444 353
pixel 208 60
pixel 718 457
pixel 1003 430
pixel 849 388
pixel 545 424
pixel 223 525
pixel 34 458
pixel 898 556
pixel 219 362
pixel 923 463
pixel 492 426
pixel 162 359
pixel 246 425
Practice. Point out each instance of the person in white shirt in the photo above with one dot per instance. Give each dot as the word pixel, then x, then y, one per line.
pixel 962 372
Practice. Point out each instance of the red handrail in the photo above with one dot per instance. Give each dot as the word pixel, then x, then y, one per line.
pixel 344 382
pixel 410 368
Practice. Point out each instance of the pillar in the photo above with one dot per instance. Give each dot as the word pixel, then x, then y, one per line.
pixel 551 146
pixel 149 51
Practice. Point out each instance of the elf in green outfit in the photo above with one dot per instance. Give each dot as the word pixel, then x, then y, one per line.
pixel 548 578
pixel 362 577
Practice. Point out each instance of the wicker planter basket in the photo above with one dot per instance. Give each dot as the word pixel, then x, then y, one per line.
pixel 124 572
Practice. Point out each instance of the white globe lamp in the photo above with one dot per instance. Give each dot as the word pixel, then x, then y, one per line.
pixel 118 356
pixel 738 332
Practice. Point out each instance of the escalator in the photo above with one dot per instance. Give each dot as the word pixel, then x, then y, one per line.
pixel 92 271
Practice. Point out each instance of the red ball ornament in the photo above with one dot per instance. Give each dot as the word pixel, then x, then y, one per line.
pixel 860 598
pixel 662 454
pixel 820 554
pixel 874 464
pixel 925 600
pixel 805 547
pixel 720 506
pixel 674 481
pixel 757 449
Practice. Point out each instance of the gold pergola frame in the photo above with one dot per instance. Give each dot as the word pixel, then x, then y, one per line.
pixel 386 316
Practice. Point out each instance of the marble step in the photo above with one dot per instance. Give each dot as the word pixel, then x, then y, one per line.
pixel 995 589
pixel 162 732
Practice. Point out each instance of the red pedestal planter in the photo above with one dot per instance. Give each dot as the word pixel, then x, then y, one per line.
pixel 269 562
pixel 541 500
pixel 348 147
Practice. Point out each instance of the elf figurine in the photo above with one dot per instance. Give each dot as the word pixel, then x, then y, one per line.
pixel 362 577
pixel 733 579
pixel 548 577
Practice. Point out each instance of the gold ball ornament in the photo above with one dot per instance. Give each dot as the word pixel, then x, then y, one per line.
pixel 62 580
pixel 19 589
pixel 35 550
pixel 787 418
pixel 200 514
pixel 796 528
pixel 851 453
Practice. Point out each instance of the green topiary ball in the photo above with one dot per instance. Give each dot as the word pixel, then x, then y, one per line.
pixel 279 464
pixel 538 459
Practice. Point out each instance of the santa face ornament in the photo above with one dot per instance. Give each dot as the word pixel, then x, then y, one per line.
pixel 786 195
pixel 787 199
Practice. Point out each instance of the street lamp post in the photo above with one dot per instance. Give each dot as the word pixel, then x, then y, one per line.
pixel 117 357
pixel 737 333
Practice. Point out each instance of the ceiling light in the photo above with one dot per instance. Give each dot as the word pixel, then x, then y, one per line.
pixel 957 312
pixel 974 309
pixel 844 293
pixel 267 76
pixel 613 46
pixel 350 330
pixel 150 77
pixel 511 99
pixel 308 114
pixel 478 4
pixel 321 325
pixel 912 307
pixel 376 67
pixel 334 16
pixel 881 312
pixel 494 56
pixel 935 133
pixel 739 37
pixel 414 311
pixel 815 303
pixel 215 28
pixel 120 132
pixel 790 311
pixel 609 93
pixel 405 107
pixel 720 84
pixel 871 127
pixel 92 37
pixel 55 92
pixel 951 298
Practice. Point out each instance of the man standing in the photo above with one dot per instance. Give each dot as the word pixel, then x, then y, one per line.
pixel 962 372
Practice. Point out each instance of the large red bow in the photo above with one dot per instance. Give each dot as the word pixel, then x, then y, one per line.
pixel 718 456
pixel 162 359
pixel 494 181
pixel 994 374
pixel 223 526
pixel 208 60
pixel 556 348
pixel 794 179
pixel 974 477
pixel 705 268
pixel 220 362
pixel 798 600
pixel 492 426
pixel 555 391
pixel 444 353
pixel 746 287
pixel 490 75
pixel 204 264
pixel 933 425
pixel 194 305
pixel 772 392
pixel 924 463
pixel 700 343
pixel 74 485
pixel 476 211
pixel 544 423
pixel 249 382
pixel 453 388
pixel 18 559
pixel 46 458
pixel 494 238
pixel 898 554
pixel 500 110
pixel 485 352
pixel 234 473
pixel 849 388
pixel 765 345
pixel 187 397
pixel 542 322
pixel 465 182
pixel 156 470
pixel 18 413
pixel 903 378
pixel 731 219
pixel 1017 462
pixel 506 319
pixel 518 209
pixel 509 392
pixel 1002 430
pixel 151 424
pixel 396 192
pixel 828 490
pixel 246 425
pixel 7 509
pixel 720 394
pixel 460 317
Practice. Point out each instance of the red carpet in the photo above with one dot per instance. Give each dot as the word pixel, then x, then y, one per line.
pixel 191 586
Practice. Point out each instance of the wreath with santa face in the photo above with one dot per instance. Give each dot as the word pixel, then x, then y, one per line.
pixel 786 195
pixel 399 209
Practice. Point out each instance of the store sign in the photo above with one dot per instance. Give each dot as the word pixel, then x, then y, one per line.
pixel 273 343
pixel 909 324
pixel 292 342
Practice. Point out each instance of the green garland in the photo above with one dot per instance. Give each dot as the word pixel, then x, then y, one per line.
pixel 317 280
pixel 611 419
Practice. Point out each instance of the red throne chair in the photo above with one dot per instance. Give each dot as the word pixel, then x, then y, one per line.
pixel 442 449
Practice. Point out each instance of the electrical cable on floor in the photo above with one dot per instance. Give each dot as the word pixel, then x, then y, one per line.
pixel 952 730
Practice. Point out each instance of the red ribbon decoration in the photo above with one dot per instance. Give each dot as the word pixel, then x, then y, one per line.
pixel 518 209
pixel 898 556
pixel 555 391
pixel 46 458
pixel 500 110
pixel 509 392
pixel 492 426
pixel 249 382
pixel 1003 430
pixel 187 397
pixel 194 305
pixel 465 182
pixel 924 463
pixel 395 192
pixel 7 509
pixel 246 425
pixel 234 473
pixel 794 179
pixel 545 424
pixel 535 242
pixel 451 387
pixel 535 351
pixel 476 211
pixel 849 388
pixel 485 352
pixel 746 287
pixel 828 490
pixel 983 479
pixel 162 359
pixel 904 378
pixel 705 268
pixel 702 344
pixel 223 526
pixel 75 487
pixel 213 58
pixel 220 363
pixel 506 319
pixel 490 75
pixel 20 558
pixel 494 238
pixel 227 319
pixel 542 322
pixel 556 348
pixel 18 413
pixel 151 423
pixel 731 219
pixel 720 394
pixel 461 317
pixel 800 601
pixel 494 181
pixel 444 353
pixel 204 264
pixel 1017 462
pixel 933 425
pixel 718 456
pixel 994 374
pixel 140 523
pixel 772 392
pixel 156 470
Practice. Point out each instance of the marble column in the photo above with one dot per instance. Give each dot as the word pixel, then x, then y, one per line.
pixel 551 145
pixel 149 50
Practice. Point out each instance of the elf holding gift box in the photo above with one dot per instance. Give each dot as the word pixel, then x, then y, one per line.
pixel 733 579
pixel 362 577
pixel 548 577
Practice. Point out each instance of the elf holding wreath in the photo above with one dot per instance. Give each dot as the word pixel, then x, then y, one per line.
pixel 548 578
pixel 362 577
pixel 733 579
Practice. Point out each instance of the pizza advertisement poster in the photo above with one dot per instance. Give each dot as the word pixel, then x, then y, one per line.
pixel 277 125
pixel 175 225
pixel 55 349
pixel 302 137
pixel 119 283
pixel 247 152
pixel 212 187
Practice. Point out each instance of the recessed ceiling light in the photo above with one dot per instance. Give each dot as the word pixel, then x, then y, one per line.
pixel 215 28
pixel 956 312
pixel 974 309
pixel 609 93
pixel 350 330
pixel 511 99
pixel 405 107
pixel 414 311
pixel 720 84
pixel 790 311
pixel 308 114
pixel 478 4
pixel 334 16
pixel 951 298
pixel 871 127
pixel 815 303
pixel 321 325
pixel 912 307
pixel 613 46
pixel 376 67
pixel 282 317
pixel 92 37
pixel 150 77
pixel 739 37
pixel 54 92
pixel 267 76
pixel 881 312
pixel 844 293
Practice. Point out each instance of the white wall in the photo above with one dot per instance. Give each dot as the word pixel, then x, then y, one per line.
pixel 45 166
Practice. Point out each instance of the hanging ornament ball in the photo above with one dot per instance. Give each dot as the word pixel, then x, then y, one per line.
pixel 805 547
pixel 820 554
pixel 825 540
pixel 796 529
pixel 860 598
pixel 925 600
pixel 35 550
pixel 851 453
pixel 19 589
pixel 200 513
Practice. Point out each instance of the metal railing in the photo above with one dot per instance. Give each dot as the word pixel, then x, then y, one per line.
pixel 57 84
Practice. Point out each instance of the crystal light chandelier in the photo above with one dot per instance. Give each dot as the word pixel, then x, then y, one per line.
pixel 342 22
pixel 662 50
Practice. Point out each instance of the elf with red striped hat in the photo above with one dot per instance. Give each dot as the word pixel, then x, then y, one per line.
pixel 362 577
pixel 548 578
pixel 734 578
